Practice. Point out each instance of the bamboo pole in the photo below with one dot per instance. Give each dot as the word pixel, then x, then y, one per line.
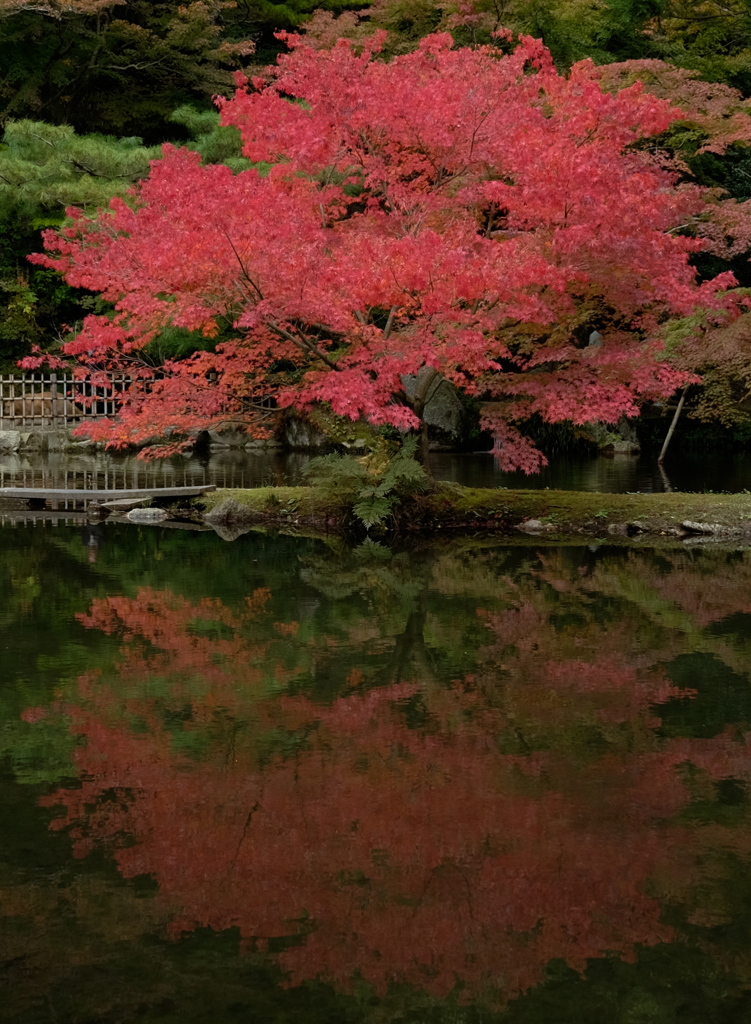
pixel 671 429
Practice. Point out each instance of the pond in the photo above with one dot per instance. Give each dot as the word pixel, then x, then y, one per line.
pixel 232 468
pixel 287 780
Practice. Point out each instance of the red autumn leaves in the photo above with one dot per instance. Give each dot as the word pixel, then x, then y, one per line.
pixel 455 209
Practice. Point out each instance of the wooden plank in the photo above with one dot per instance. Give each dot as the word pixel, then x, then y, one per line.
pixel 92 494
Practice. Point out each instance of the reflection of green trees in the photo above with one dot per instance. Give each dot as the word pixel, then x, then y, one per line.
pixel 383 615
pixel 365 684
pixel 371 617
pixel 388 623
pixel 46 581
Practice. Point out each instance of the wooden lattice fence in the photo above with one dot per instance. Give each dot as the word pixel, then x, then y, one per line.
pixel 56 400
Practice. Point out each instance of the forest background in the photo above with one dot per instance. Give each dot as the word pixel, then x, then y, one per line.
pixel 91 89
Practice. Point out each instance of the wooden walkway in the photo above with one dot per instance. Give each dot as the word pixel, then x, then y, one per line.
pixel 97 494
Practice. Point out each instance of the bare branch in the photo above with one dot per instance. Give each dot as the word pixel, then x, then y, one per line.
pixel 134 67
pixel 304 344
pixel 243 269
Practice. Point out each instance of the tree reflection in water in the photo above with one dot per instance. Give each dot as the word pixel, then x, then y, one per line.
pixel 452 769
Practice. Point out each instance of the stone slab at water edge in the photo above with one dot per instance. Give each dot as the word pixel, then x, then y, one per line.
pixel 44 440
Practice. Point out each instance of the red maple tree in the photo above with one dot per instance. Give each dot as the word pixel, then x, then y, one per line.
pixel 457 212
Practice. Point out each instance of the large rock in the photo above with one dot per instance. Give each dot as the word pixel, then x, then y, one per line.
pixel 620 448
pixel 228 438
pixel 33 441
pixel 147 515
pixel 221 437
pixel 228 511
pixel 618 439
pixel 300 433
pixel 702 528
pixel 230 519
pixel 262 444
pixel 443 408
pixel 10 440
pixel 54 440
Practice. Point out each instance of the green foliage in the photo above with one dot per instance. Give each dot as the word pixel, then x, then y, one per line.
pixel 217 144
pixel 373 484
pixel 717 349
pixel 692 436
pixel 19 329
pixel 410 20
pixel 46 168
pixel 578 29
pixel 116 70
pixel 573 30
pixel 261 19
pixel 43 170
pixel 176 343
pixel 731 171
pixel 121 67
pixel 712 37
pixel 709 36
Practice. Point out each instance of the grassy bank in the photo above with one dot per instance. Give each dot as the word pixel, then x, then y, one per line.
pixel 467 509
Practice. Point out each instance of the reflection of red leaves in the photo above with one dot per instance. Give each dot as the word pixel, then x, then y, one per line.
pixel 706 598
pixel 477 848
pixel 165 633
pixel 416 856
pixel 33 715
pixel 355 678
pixel 287 628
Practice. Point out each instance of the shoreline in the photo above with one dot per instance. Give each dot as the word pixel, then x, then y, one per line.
pixel 454 509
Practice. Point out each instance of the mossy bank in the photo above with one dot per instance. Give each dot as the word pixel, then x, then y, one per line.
pixel 451 507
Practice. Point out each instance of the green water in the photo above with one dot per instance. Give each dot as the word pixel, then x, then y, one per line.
pixel 287 781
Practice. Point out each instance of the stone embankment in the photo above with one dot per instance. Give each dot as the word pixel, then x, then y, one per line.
pixel 43 440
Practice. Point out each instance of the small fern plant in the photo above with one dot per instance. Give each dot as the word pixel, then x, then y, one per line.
pixel 373 484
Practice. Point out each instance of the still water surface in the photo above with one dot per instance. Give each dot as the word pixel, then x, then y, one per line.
pixel 702 472
pixel 287 781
